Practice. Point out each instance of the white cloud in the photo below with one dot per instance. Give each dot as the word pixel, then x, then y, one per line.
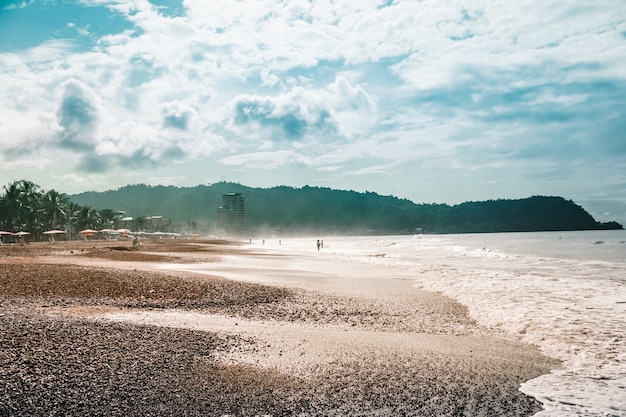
pixel 312 91
pixel 503 39
pixel 21 5
pixel 265 160
pixel 341 109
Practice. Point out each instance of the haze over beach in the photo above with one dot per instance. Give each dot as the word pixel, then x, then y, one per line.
pixel 432 101
pixel 429 101
pixel 507 324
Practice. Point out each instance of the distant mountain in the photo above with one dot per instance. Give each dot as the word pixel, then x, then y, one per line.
pixel 316 210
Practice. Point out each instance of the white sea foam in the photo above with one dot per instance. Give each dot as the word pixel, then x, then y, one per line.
pixel 565 292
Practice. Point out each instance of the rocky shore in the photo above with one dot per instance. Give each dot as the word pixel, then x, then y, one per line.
pixel 282 351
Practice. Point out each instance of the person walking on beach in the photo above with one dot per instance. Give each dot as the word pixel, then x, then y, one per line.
pixel 318 245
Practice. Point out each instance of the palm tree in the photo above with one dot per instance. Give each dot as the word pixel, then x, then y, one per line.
pixel 88 218
pixel 55 207
pixel 10 206
pixel 30 207
pixel 107 217
pixel 20 205
pixel 71 214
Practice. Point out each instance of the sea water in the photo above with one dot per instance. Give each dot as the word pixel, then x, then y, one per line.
pixel 562 291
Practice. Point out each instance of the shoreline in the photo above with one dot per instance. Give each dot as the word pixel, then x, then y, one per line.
pixel 285 341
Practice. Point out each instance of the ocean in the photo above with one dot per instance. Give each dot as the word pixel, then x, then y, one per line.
pixel 562 291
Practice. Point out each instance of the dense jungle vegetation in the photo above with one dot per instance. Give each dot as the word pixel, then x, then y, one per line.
pixel 317 209
pixel 24 206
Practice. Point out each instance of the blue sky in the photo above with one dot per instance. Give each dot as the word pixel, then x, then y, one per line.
pixel 428 100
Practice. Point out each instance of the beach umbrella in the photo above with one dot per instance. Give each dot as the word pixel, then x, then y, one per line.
pixel 107 231
pixel 83 232
pixel 123 231
pixel 2 232
pixel 21 233
pixel 54 232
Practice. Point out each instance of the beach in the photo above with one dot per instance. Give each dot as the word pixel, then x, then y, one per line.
pixel 219 328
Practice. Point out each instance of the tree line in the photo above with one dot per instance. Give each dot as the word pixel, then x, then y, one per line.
pixel 315 210
pixel 26 207
pixel 335 211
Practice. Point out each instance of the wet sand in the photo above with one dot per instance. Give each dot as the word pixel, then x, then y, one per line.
pixel 214 329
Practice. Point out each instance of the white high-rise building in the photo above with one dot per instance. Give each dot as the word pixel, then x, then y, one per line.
pixel 231 214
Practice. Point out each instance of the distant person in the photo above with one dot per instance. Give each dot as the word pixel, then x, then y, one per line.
pixel 322 243
pixel 318 245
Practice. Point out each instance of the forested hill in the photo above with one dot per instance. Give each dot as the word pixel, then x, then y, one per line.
pixel 315 210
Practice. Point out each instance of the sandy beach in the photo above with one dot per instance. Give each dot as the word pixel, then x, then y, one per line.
pixel 213 328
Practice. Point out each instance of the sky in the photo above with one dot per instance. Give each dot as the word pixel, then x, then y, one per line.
pixel 433 101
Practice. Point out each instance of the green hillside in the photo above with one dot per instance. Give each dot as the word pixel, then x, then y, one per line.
pixel 316 209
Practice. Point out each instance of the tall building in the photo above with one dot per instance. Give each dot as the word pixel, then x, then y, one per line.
pixel 231 214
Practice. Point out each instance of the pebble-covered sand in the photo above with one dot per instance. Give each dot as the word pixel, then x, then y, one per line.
pixel 86 330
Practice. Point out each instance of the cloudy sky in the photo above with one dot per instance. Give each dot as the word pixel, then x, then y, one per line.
pixel 434 101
